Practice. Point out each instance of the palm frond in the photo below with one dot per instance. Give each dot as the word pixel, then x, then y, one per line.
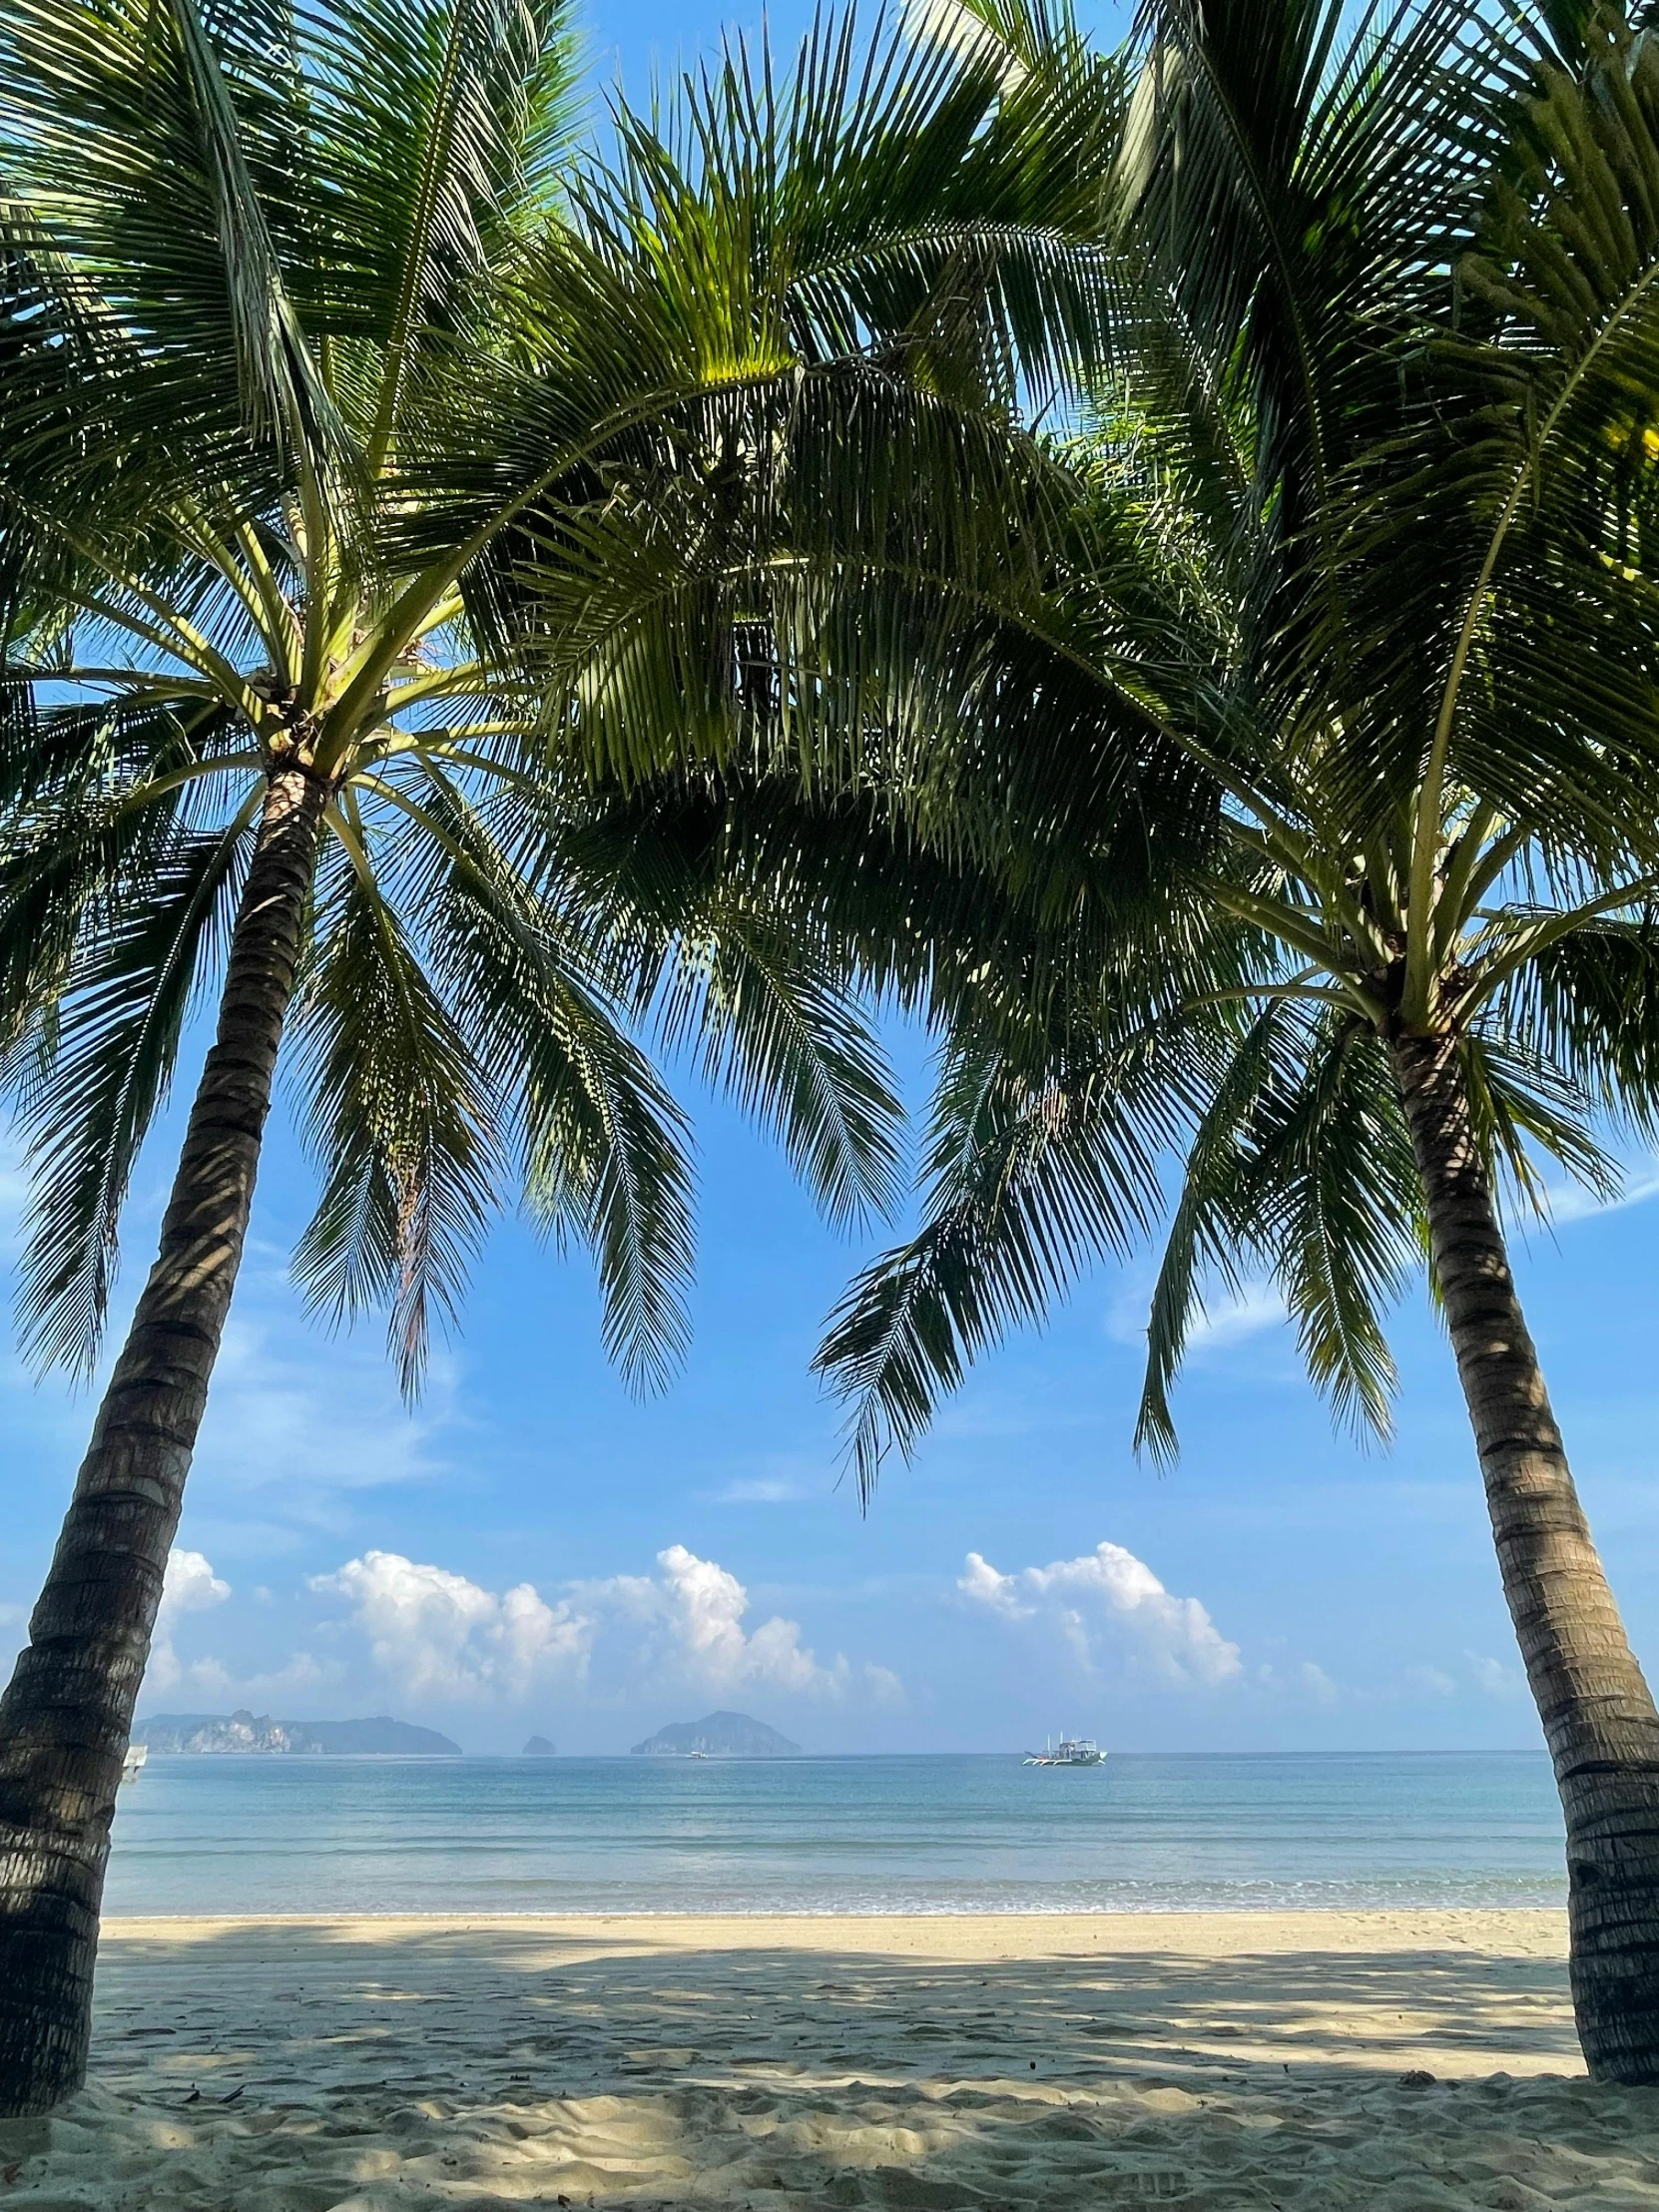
pixel 775 1026
pixel 1209 1228
pixel 403 1120
pixel 91 1092
pixel 601 1141
pixel 1590 1000
pixel 1026 1182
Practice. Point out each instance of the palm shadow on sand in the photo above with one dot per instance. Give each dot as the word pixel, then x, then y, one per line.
pixel 296 2068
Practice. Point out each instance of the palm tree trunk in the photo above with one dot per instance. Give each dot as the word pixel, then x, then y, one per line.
pixel 66 1716
pixel 1597 1711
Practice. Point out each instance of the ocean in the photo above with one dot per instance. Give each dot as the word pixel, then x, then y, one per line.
pixel 872 1835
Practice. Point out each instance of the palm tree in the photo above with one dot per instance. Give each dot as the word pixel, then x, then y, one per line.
pixel 376 475
pixel 1362 529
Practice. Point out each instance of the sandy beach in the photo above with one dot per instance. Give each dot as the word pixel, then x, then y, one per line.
pixel 1210 2061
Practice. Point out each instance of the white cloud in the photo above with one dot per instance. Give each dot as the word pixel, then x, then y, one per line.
pixel 288 1438
pixel 1418 1684
pixel 1256 1306
pixel 303 1430
pixel 687 1621
pixel 1229 1318
pixel 1126 1315
pixel 433 1632
pixel 1493 1678
pixel 1567 1202
pixel 437 1634
pixel 211 1678
pixel 762 1489
pixel 190 1585
pixel 419 1630
pixel 1108 1600
pixel 1305 1683
pixel 707 1604
pixel 982 1581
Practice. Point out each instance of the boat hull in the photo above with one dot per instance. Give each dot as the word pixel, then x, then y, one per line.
pixel 1073 1750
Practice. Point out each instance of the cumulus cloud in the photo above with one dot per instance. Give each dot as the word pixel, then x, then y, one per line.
pixel 689 1619
pixel 706 1604
pixel 437 1633
pixel 1108 1602
pixel 190 1585
pixel 440 1635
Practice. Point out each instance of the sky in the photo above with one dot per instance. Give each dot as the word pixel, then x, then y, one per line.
pixel 532 1551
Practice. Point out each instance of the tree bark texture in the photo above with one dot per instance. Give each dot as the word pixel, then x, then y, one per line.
pixel 1598 1714
pixel 67 1713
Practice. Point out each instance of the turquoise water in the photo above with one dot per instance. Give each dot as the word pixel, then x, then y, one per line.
pixel 924 1835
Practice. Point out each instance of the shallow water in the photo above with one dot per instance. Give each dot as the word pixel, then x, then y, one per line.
pixel 878 1835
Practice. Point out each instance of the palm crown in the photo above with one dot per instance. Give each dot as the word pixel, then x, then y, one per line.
pixel 1357 555
pixel 1373 604
pixel 376 476
pixel 357 431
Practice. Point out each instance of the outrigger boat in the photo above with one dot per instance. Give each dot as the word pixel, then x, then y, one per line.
pixel 1073 1750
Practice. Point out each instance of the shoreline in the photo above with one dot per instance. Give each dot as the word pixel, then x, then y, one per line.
pixel 1128 1915
pixel 1402 1926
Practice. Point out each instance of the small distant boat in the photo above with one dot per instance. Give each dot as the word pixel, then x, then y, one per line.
pixel 137 1754
pixel 1072 1751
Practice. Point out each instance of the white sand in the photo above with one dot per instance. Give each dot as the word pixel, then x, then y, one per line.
pixel 1213 2061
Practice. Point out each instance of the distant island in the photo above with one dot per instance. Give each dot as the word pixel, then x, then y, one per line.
pixel 538 1747
pixel 719 1736
pixel 258 1732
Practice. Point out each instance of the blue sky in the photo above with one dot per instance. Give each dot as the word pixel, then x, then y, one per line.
pixel 533 1551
